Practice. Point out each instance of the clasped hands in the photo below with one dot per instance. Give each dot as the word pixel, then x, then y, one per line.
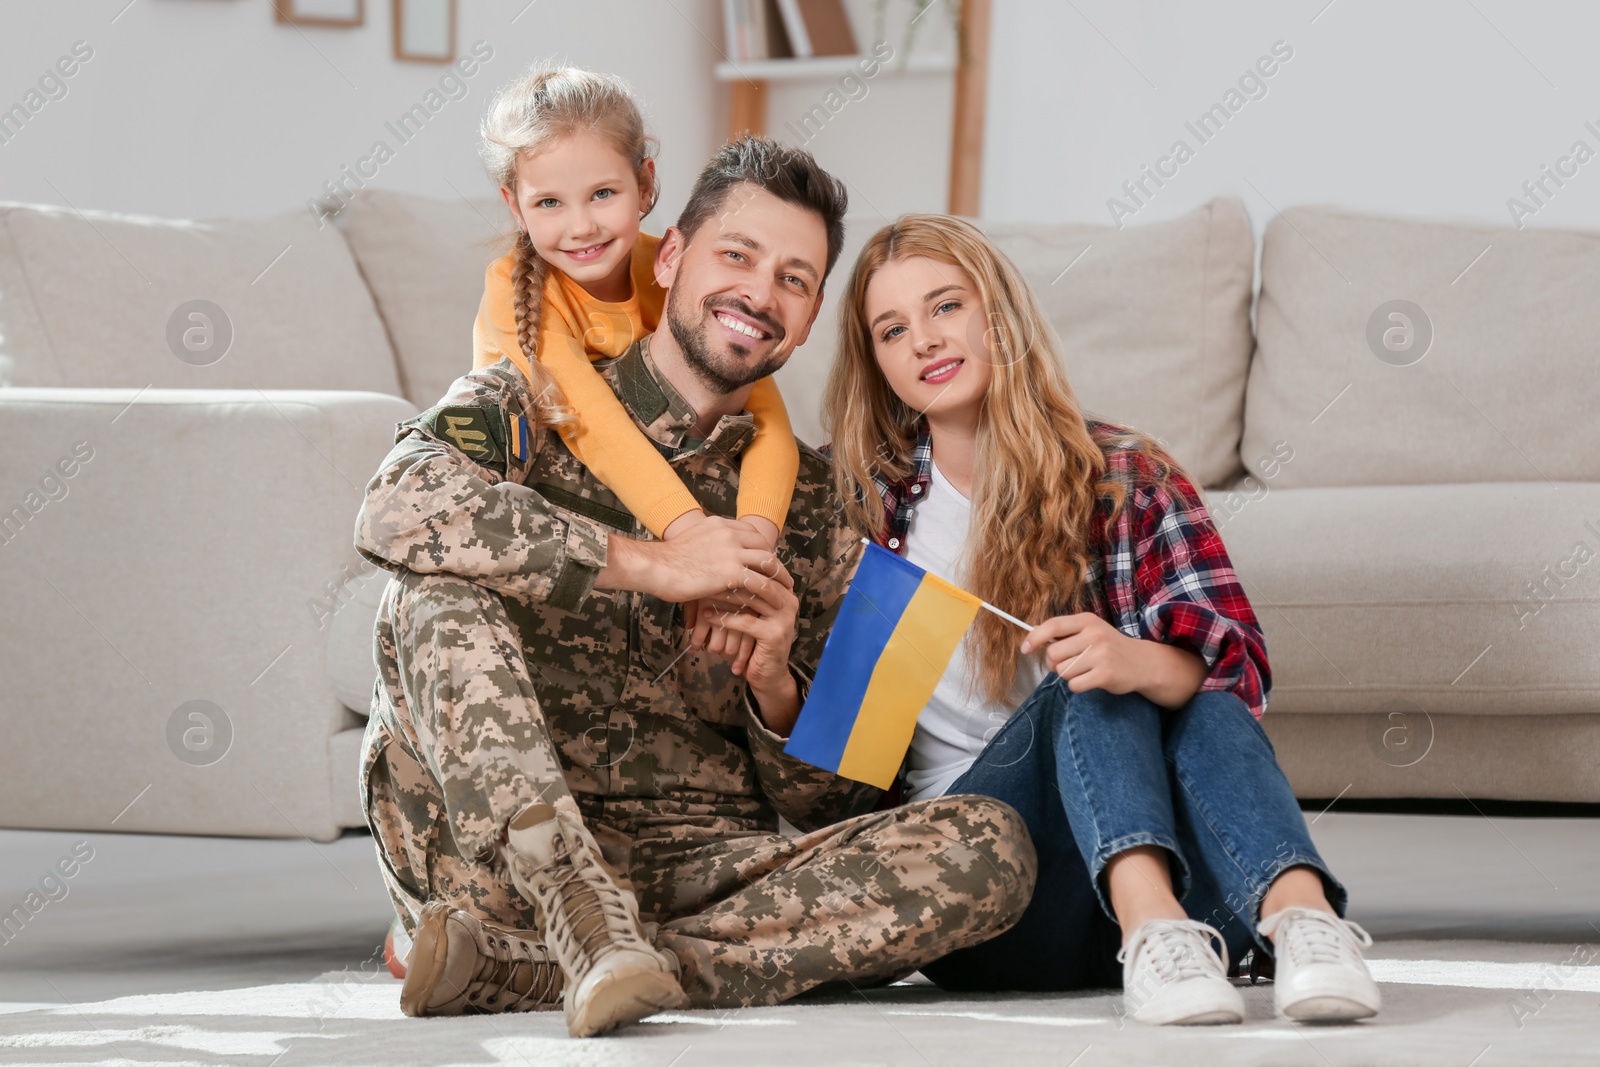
pixel 739 600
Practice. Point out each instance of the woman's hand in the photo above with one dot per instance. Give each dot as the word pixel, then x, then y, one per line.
pixel 1090 653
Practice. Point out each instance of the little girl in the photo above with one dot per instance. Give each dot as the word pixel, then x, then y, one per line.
pixel 569 151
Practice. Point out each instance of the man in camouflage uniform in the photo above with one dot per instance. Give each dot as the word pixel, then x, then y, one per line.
pixel 533 659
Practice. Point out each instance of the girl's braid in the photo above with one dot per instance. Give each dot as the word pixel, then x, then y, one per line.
pixel 527 287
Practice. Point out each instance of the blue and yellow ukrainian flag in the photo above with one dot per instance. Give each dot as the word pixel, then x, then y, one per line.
pixel 896 631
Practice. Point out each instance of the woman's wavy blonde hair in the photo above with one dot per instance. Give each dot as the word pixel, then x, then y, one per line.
pixel 543 104
pixel 1040 468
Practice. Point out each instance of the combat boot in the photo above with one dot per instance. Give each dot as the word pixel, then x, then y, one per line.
pixel 460 963
pixel 614 976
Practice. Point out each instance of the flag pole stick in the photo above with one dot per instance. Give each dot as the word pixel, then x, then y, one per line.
pixel 1009 618
pixel 988 607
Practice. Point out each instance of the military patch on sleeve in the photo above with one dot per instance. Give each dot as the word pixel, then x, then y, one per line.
pixel 517 438
pixel 476 431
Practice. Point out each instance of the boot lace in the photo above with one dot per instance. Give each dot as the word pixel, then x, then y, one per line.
pixel 498 973
pixel 596 910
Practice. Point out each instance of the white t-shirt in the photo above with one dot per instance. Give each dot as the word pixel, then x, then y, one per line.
pixel 958 721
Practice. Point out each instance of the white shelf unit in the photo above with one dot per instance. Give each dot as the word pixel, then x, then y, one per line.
pixel 828 67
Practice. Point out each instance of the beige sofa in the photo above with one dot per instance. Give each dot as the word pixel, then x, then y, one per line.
pixel 1415 533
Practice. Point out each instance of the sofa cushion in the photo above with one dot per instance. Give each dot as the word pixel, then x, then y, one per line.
pixel 1473 599
pixel 350 616
pixel 344 769
pixel 197 547
pixel 90 299
pixel 1505 392
pixel 1154 321
pixel 424 259
pixel 1397 752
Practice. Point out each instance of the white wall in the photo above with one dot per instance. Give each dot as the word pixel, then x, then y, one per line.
pixel 199 108
pixel 1427 108
pixel 890 138
pixel 1432 108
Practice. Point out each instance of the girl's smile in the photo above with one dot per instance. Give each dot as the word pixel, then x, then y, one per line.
pixel 588 253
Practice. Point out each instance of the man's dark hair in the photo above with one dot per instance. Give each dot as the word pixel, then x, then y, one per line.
pixel 789 174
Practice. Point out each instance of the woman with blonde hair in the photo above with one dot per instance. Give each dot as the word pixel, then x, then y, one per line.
pixel 1123 727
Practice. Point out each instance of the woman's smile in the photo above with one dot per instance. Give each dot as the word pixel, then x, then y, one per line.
pixel 941 371
pixel 926 321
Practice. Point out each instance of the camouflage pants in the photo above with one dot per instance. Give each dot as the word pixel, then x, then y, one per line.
pixel 754 918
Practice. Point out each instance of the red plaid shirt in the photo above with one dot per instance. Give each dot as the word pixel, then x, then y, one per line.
pixel 1162 574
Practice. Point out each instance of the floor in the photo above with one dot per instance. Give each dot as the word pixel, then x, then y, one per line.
pixel 226 951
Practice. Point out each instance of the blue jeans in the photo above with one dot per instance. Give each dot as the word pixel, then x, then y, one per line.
pixel 1094 774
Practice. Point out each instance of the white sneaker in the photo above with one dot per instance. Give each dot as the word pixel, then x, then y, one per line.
pixel 1170 974
pixel 1321 975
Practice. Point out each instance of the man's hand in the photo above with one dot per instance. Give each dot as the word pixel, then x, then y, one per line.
pixel 1089 653
pixel 713 557
pixel 770 609
pixel 703 618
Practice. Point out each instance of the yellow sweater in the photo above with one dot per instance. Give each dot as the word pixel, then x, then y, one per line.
pixel 574 330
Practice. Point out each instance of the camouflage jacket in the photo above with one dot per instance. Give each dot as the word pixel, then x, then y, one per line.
pixel 656 744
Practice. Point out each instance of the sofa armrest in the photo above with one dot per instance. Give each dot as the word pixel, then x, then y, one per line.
pixel 163 546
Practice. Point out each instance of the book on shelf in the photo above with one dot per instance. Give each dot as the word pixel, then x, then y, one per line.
pixel 783 29
pixel 818 27
pixel 776 36
pixel 736 30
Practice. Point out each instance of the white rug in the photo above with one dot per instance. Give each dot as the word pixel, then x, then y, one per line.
pixel 1493 1004
pixel 266 953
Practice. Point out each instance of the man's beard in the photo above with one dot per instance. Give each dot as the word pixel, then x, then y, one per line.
pixel 730 374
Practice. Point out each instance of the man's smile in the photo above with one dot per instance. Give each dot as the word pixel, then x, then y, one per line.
pixel 741 326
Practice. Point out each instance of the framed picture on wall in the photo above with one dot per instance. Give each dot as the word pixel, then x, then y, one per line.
pixel 320 12
pixel 425 30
